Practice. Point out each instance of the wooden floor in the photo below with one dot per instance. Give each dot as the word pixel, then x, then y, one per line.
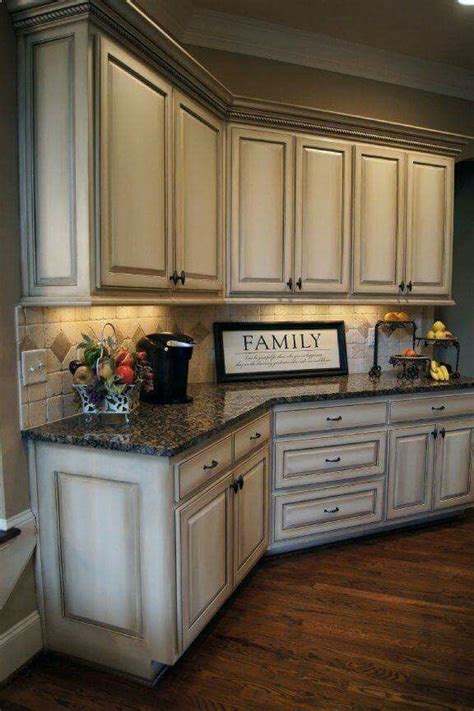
pixel 383 623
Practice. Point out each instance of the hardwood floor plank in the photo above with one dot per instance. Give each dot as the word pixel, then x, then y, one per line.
pixel 378 624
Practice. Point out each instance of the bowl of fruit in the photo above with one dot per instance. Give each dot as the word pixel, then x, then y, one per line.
pixel 109 376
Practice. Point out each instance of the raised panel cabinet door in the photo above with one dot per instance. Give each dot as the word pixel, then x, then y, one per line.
pixel 135 106
pixel 429 224
pixel 379 220
pixel 454 458
pixel 410 473
pixel 261 187
pixel 198 195
pixel 250 514
pixel 204 545
pixel 323 216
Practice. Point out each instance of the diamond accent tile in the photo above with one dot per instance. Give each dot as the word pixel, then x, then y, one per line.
pixel 61 346
pixel 138 335
pixel 199 332
pixel 27 344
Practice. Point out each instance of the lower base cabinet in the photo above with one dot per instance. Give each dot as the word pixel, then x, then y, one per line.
pixel 220 537
pixel 430 468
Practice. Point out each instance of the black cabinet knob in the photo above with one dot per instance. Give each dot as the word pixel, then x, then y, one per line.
pixel 401 286
pixel 174 277
pixel 235 486
pixel 410 286
pixel 299 283
pixel 240 481
pixel 182 277
pixel 334 510
pixel 289 283
pixel 257 435
pixel 212 465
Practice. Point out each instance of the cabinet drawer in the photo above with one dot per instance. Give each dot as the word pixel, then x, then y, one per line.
pixel 331 509
pixel 196 471
pixel 430 408
pixel 251 436
pixel 328 459
pixel 337 417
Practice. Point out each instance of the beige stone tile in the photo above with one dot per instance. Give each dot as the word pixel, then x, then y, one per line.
pixel 66 382
pixel 23 393
pixel 71 405
pixel 37 413
pixel 54 408
pixel 52 363
pixel 54 385
pixel 24 417
pixel 20 316
pixel 36 333
pixel 36 392
pixel 83 313
pixel 51 331
pixel 126 312
pixel 34 314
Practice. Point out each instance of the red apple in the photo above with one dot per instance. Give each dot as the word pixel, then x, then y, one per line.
pixel 125 374
pixel 124 358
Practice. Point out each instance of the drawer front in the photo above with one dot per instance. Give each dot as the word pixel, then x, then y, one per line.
pixel 337 417
pixel 326 510
pixel 251 436
pixel 202 467
pixel 328 459
pixel 431 408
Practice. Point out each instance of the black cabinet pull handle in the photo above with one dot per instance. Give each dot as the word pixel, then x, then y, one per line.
pixel 443 433
pixel 212 465
pixel 401 286
pixel 235 486
pixel 240 481
pixel 289 283
pixel 174 277
pixel 333 461
pixel 299 283
pixel 334 419
pixel 410 286
pixel 334 510
pixel 182 277
pixel 257 435
pixel 435 433
pixel 440 408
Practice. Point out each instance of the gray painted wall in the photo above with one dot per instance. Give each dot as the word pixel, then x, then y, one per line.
pixel 460 318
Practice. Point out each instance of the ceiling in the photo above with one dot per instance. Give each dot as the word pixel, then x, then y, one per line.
pixel 437 30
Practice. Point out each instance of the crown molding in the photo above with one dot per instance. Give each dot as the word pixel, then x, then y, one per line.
pixel 218 30
pixel 138 31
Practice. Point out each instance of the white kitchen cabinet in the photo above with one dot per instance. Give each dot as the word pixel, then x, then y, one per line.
pixel 205 558
pixel 198 220
pixel 454 480
pixel 261 211
pixel 250 514
pixel 135 172
pixel 323 216
pixel 429 225
pixel 410 477
pixel 379 220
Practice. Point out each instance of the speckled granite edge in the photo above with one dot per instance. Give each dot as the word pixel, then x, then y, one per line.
pixel 170 430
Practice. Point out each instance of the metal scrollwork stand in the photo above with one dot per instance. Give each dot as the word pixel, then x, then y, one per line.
pixel 388 326
pixel 444 343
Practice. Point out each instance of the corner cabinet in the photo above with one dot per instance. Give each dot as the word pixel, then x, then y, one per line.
pixel 121 175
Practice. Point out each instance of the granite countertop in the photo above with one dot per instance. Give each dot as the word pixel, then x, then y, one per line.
pixel 167 430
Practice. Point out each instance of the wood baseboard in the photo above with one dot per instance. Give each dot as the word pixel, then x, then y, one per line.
pixel 19 644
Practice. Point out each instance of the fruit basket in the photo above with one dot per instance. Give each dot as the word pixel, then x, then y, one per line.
pixel 412 367
pixel 388 325
pixel 439 337
pixel 109 376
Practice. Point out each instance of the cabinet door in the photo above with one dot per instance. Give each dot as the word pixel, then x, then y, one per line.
pixel 453 471
pixel 323 215
pixel 250 515
pixel 261 210
pixel 379 220
pixel 429 224
pixel 134 172
pixel 205 552
pixel 410 475
pixel 198 195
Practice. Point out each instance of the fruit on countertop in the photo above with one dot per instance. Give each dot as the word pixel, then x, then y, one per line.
pixel 438 332
pixel 410 353
pixel 438 372
pixel 125 374
pixel 403 316
pixel 83 375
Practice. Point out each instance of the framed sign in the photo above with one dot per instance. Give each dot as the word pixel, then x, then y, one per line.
pixel 252 351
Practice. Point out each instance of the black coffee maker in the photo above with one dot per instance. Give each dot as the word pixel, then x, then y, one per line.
pixel 168 355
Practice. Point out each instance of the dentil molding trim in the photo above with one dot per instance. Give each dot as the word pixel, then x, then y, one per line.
pixel 218 30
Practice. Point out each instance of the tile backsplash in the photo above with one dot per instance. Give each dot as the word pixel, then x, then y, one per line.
pixel 59 330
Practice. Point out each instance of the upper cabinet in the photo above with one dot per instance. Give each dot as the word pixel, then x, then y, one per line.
pixel 379 220
pixel 198 186
pixel 133 166
pixel 323 216
pixel 261 215
pixel 429 224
